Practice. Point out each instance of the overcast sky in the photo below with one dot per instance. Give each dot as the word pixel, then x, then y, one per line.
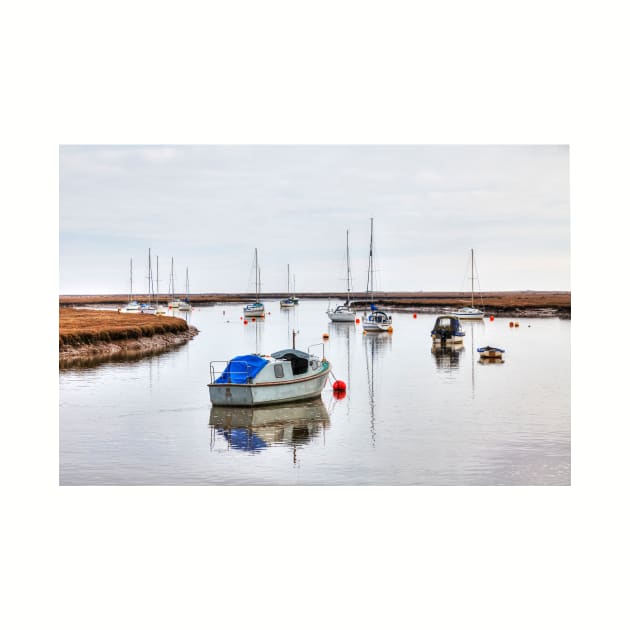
pixel 208 207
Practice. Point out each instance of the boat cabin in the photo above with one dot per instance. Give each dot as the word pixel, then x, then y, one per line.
pixel 447 328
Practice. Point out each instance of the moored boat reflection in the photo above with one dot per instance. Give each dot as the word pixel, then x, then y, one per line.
pixel 447 357
pixel 256 428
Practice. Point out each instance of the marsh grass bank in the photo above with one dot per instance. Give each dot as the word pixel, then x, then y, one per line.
pixel 85 333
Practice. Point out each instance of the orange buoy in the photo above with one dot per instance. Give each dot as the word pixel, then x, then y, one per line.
pixel 339 386
pixel 253 319
pixel 516 324
pixel 511 324
pixel 390 329
pixel 325 336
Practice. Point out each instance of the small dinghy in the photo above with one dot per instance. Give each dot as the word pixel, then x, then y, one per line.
pixel 488 352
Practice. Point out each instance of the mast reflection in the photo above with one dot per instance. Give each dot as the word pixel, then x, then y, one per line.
pixel 375 346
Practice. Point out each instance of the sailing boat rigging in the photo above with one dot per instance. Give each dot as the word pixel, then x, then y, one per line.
pixel 149 308
pixel 159 310
pixel 184 305
pixel 257 308
pixel 376 320
pixel 173 303
pixel 344 312
pixel 470 312
pixel 132 305
pixel 288 302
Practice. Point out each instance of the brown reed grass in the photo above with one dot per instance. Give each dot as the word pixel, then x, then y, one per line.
pixel 86 326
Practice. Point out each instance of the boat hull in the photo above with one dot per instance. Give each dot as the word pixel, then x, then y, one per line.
pixel 467 314
pixel 254 312
pixel 344 316
pixel 244 395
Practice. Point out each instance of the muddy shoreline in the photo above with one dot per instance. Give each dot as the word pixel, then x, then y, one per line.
pixel 127 349
pixel 498 303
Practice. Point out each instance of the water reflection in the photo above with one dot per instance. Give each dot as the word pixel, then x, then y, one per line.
pixel 375 346
pixel 447 357
pixel 256 428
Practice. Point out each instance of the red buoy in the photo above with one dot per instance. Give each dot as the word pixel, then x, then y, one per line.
pixel 491 318
pixel 415 316
pixel 244 321
pixel 339 394
pixel 511 324
pixel 357 321
pixel 339 386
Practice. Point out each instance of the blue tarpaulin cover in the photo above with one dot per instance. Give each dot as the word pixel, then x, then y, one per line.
pixel 239 369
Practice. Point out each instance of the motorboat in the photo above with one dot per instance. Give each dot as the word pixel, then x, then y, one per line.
pixel 447 330
pixel 254 379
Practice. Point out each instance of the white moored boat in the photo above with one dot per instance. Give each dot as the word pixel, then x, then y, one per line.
pixel 253 379
pixel 375 321
pixel 257 308
pixel 469 312
pixel 344 312
pixel 289 301
pixel 132 306
pixel 184 305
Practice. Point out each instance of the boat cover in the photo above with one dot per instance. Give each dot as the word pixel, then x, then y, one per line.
pixel 242 368
pixel 486 348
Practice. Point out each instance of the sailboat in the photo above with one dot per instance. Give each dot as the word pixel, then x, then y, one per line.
pixel 149 308
pixel 132 305
pixel 159 309
pixel 257 308
pixel 184 305
pixel 470 312
pixel 173 303
pixel 289 301
pixel 375 321
pixel 344 312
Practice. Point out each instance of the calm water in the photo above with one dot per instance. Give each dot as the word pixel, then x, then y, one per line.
pixel 410 416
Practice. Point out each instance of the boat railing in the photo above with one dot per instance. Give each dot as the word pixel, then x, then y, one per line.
pixel 317 345
pixel 217 372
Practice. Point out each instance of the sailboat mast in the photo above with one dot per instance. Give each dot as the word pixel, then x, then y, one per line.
pixel 371 264
pixel 472 277
pixel 187 287
pixel 130 279
pixel 157 278
pixel 288 282
pixel 172 281
pixel 347 267
pixel 151 293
